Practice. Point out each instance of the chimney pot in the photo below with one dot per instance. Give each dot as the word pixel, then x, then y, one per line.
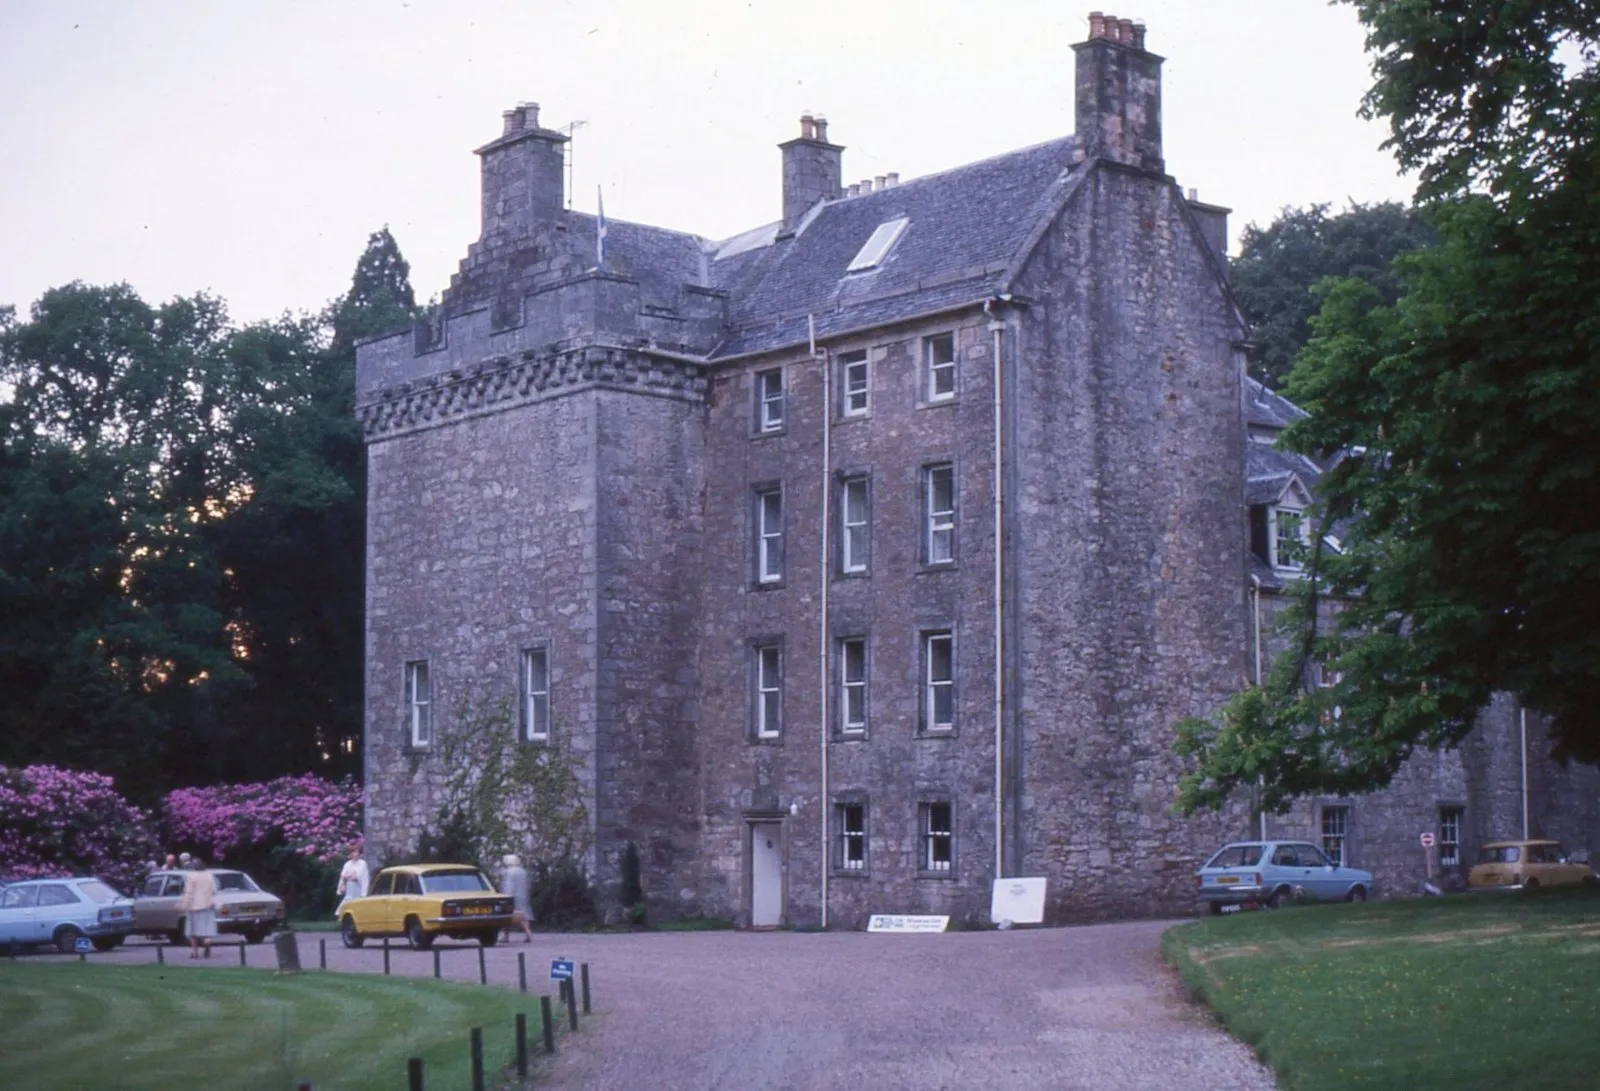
pixel 1194 194
pixel 821 123
pixel 893 177
pixel 1097 24
pixel 1138 35
pixel 881 182
pixel 807 127
pixel 512 120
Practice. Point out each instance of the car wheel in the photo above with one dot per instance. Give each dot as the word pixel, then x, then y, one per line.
pixel 107 943
pixel 489 938
pixel 1357 894
pixel 66 938
pixel 348 933
pixel 256 935
pixel 1278 898
pixel 416 935
pixel 1531 884
pixel 176 937
pixel 1216 909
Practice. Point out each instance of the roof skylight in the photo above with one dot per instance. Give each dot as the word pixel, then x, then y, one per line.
pixel 877 246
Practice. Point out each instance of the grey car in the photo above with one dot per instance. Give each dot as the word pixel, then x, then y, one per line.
pixel 1273 873
pixel 243 908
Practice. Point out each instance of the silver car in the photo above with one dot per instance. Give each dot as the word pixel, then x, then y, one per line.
pixel 60 912
pixel 243 907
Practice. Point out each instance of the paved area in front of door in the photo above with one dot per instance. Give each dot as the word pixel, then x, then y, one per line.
pixel 1062 1008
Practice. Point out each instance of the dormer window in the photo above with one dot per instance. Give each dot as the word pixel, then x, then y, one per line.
pixel 1290 538
pixel 877 247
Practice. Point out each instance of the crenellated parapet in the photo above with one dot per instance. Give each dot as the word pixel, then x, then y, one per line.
pixel 507 382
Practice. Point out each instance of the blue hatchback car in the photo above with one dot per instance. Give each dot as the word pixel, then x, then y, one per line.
pixel 1272 873
pixel 60 912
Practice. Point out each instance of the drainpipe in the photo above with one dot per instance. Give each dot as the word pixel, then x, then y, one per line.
pixel 1522 718
pixel 822 599
pixel 1255 613
pixel 996 330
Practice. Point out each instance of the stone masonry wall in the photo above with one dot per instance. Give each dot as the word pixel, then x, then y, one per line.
pixel 480 544
pixel 649 491
pixel 1131 569
pixel 892 768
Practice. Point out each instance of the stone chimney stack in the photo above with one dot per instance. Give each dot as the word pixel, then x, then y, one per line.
pixel 1119 94
pixel 523 175
pixel 812 170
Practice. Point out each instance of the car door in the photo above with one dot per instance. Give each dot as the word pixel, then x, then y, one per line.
pixel 17 912
pixel 1325 881
pixel 164 909
pixel 407 896
pixel 58 904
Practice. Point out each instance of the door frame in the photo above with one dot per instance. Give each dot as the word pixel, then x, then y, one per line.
pixel 753 820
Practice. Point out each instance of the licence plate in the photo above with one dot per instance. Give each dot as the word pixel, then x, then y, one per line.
pixel 477 910
pixel 1227 880
pixel 1232 908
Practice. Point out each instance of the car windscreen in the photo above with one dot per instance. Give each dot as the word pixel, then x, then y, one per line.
pixel 96 891
pixel 233 880
pixel 454 882
pixel 1236 856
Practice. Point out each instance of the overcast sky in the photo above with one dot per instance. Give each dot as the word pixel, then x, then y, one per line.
pixel 248 149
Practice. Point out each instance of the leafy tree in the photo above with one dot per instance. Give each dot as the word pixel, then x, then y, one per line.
pixel 1279 266
pixel 1468 502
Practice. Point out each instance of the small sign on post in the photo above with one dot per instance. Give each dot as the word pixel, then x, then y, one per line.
pixel 1427 840
pixel 561 969
pixel 82 945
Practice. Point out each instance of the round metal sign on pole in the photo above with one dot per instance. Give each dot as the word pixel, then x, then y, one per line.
pixel 1427 840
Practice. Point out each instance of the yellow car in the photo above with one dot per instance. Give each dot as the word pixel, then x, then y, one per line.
pixel 425 901
pixel 1527 865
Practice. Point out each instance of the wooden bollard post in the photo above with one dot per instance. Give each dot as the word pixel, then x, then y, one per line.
pixel 386 960
pixel 549 1024
pixel 322 954
pixel 414 1072
pixel 522 1046
pixel 477 1059
pixel 483 968
pixel 522 971
pixel 242 946
pixel 82 957
pixel 161 954
pixel 584 971
pixel 436 962
pixel 572 1004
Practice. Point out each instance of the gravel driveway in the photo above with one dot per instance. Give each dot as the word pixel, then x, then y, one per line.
pixel 1083 1007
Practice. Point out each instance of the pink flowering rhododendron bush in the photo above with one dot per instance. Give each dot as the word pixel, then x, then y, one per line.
pixel 307 814
pixel 60 822
pixel 290 834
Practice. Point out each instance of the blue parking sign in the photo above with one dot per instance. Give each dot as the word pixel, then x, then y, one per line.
pixel 81 945
pixel 561 969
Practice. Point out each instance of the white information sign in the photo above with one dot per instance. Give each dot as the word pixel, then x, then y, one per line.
pixel 901 922
pixel 1020 901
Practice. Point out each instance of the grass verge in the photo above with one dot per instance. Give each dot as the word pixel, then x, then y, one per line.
pixel 1464 993
pixel 78 1025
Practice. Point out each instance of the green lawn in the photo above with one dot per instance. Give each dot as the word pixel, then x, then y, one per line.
pixel 79 1025
pixel 1460 993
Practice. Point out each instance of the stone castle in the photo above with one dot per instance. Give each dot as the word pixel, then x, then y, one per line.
pixel 870 555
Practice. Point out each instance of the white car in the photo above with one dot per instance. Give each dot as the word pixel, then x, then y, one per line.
pixel 60 912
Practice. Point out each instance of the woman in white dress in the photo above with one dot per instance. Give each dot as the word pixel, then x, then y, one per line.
pixel 353 879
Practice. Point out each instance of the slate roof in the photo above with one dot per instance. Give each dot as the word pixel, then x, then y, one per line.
pixel 965 226
pixel 1268 410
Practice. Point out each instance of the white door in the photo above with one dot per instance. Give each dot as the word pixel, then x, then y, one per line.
pixel 766 874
